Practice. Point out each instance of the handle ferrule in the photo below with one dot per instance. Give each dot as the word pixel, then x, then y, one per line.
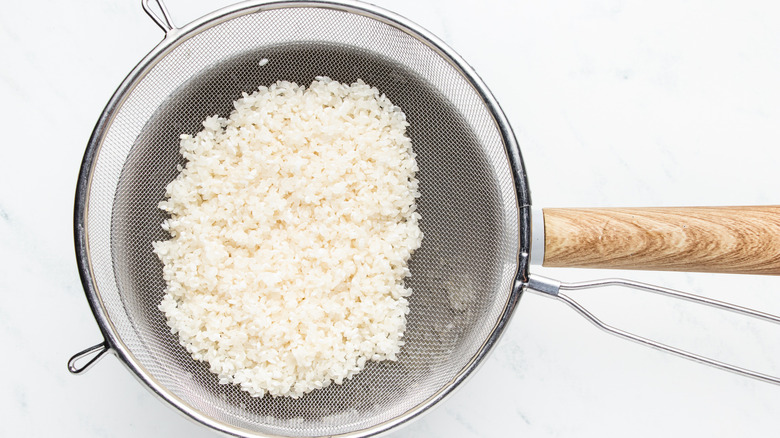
pixel 537 236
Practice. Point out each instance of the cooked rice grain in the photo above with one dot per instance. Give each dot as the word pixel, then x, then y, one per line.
pixel 292 224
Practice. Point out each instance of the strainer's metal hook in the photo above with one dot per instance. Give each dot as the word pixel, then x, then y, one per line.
pixel 96 351
pixel 553 288
pixel 165 22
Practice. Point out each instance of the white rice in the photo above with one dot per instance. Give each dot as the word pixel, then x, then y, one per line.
pixel 292 225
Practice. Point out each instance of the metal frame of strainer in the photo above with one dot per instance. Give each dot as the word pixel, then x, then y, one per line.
pixel 531 233
pixel 84 360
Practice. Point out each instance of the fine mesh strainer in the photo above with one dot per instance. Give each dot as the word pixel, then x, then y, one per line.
pixel 476 217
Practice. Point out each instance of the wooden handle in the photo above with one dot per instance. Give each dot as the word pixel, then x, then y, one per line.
pixel 744 240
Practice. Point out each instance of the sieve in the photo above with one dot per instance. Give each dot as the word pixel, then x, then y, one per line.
pixel 481 232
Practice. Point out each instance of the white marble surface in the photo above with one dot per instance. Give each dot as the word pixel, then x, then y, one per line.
pixel 615 103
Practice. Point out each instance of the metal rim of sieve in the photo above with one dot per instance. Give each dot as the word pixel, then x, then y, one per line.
pixel 175 36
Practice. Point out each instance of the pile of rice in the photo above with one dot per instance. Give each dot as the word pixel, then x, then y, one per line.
pixel 292 225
